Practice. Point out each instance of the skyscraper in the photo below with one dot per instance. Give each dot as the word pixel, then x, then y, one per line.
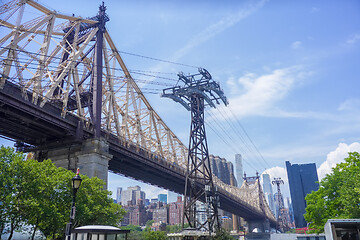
pixel 267 188
pixel 118 195
pixel 303 179
pixel 239 169
pixel 172 196
pixel 221 168
pixel 132 195
pixel 162 198
pixel 291 211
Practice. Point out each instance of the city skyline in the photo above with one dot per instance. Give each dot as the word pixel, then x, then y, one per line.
pixel 289 71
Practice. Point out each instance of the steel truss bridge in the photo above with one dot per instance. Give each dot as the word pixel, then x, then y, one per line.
pixel 53 68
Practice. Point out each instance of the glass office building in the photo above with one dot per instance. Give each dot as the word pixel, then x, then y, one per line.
pixel 303 179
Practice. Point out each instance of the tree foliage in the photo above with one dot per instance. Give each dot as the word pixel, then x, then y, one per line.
pixel 154 235
pixel 222 234
pixel 173 228
pixel 11 195
pixel 39 194
pixel 338 195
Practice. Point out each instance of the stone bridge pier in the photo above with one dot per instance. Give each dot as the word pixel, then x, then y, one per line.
pixel 262 225
pixel 91 157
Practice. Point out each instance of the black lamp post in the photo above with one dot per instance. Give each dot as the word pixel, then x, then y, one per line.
pixel 76 181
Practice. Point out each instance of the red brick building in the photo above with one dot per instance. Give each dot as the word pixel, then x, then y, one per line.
pixel 176 211
pixel 136 214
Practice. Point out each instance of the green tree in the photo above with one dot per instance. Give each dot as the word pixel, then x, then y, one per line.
pixel 148 225
pixel 338 195
pixel 173 228
pixel 94 205
pixel 222 234
pixel 135 232
pixel 47 196
pixel 39 194
pixel 154 235
pixel 11 194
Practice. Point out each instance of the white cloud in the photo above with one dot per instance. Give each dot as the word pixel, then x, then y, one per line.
pixel 289 151
pixel 350 105
pixel 218 27
pixel 279 172
pixel 276 172
pixel 336 157
pixel 210 32
pixel 353 39
pixel 262 92
pixel 296 45
pixel 152 191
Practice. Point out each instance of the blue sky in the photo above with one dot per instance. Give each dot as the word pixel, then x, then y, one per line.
pixel 290 70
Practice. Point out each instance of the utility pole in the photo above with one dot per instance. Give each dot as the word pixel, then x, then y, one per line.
pixel 198 91
pixel 281 222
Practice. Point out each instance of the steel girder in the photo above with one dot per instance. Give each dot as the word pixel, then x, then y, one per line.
pixel 47 67
pixel 198 170
pixel 58 58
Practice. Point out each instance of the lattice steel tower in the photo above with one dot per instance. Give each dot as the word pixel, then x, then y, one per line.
pixel 198 91
pixel 281 221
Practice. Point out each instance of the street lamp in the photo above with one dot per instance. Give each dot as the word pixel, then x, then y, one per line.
pixel 76 181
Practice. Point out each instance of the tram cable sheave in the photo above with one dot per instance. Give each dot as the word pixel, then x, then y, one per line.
pixel 198 91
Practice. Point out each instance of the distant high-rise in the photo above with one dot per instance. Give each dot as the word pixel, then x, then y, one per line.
pixel 118 195
pixel 303 179
pixel 172 196
pixel 267 188
pixel 162 198
pixel 239 169
pixel 291 211
pixel 221 168
pixel 132 195
pixel 176 211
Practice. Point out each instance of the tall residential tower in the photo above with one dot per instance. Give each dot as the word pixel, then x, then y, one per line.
pixel 268 192
pixel 239 169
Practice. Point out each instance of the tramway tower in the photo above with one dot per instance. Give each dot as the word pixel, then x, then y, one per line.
pixel 195 93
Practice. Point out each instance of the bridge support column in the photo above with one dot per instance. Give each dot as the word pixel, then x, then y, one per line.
pixel 258 229
pixel 262 225
pixel 91 157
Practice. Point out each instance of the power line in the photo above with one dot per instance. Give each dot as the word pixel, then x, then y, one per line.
pixel 157 59
pixel 144 73
pixel 139 72
pixel 227 143
pixel 246 152
pixel 242 127
pixel 236 130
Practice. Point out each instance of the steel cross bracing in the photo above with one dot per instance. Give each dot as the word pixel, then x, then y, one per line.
pixel 196 90
pixel 198 169
pixel 53 60
pixel 281 219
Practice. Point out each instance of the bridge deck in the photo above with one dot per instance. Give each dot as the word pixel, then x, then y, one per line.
pixel 44 128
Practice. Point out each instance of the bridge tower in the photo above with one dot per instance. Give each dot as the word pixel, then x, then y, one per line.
pixel 281 220
pixel 198 91
pixel 264 224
